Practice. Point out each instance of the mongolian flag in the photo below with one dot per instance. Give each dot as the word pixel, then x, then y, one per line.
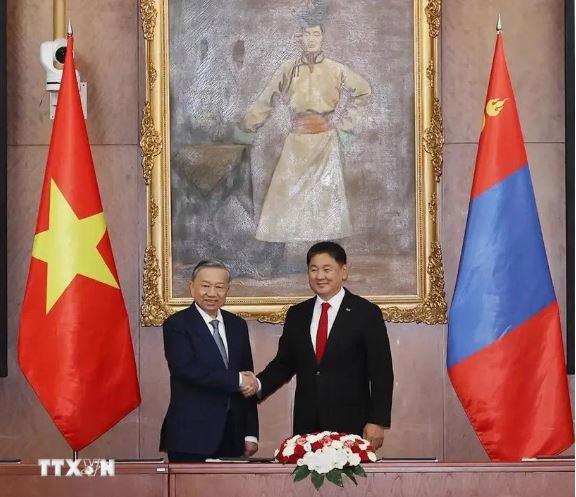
pixel 505 351
pixel 74 345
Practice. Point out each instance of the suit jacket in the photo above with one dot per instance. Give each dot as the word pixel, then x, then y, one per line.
pixel 202 391
pixel 353 383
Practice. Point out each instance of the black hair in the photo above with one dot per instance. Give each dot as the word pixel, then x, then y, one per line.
pixel 312 24
pixel 333 249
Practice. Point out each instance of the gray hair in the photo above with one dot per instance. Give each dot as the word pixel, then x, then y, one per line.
pixel 207 263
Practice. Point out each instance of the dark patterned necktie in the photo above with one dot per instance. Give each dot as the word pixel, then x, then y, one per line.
pixel 219 341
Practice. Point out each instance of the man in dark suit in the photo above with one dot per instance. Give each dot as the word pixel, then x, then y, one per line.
pixel 208 354
pixel 337 346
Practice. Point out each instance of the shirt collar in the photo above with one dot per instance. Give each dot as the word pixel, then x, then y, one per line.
pixel 315 58
pixel 207 318
pixel 334 301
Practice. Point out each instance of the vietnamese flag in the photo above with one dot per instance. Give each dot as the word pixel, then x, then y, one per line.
pixel 505 352
pixel 74 345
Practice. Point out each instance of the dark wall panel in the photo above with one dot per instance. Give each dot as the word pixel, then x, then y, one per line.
pixel 570 183
pixel 3 330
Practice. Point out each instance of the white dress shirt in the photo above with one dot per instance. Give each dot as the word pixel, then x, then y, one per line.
pixel 335 303
pixel 221 328
pixel 222 331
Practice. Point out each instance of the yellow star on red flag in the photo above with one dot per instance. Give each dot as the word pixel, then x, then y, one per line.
pixel 70 247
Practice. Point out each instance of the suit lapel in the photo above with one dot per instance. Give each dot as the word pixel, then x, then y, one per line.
pixel 345 314
pixel 306 322
pixel 201 329
pixel 233 344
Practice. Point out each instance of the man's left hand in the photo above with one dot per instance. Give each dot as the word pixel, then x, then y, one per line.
pixel 250 448
pixel 374 434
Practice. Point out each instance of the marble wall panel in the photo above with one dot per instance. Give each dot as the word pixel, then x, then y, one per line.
pixel 106 38
pixel 534 45
pixel 417 408
pixel 106 41
pixel 275 413
pixel 29 23
pixel 155 390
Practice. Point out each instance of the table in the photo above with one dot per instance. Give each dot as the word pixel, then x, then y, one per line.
pixel 391 478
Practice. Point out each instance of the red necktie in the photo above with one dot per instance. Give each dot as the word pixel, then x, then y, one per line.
pixel 322 333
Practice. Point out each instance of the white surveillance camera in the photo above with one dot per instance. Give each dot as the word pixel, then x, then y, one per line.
pixel 52 55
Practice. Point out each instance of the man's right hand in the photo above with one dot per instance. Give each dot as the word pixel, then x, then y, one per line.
pixel 249 385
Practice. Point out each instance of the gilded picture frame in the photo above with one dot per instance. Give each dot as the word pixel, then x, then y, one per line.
pixel 424 304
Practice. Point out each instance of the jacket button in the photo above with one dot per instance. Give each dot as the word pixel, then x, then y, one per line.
pixel 317 373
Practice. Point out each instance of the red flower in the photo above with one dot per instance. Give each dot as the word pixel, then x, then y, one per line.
pixel 299 451
pixel 316 446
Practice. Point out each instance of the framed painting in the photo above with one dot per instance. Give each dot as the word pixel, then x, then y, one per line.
pixel 269 126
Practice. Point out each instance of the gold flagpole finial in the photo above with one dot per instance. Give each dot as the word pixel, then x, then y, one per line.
pixel 499 25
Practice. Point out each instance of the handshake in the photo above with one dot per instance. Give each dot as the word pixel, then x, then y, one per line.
pixel 249 385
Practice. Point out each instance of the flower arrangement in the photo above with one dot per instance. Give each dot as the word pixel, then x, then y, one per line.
pixel 326 455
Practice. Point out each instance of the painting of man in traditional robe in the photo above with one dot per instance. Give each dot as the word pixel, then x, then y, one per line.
pixel 291 122
pixel 306 199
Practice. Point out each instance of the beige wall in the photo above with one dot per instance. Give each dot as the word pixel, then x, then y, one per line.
pixel 427 420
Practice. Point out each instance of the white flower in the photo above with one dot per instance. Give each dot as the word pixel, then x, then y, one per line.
pixel 362 446
pixel 353 459
pixel 324 467
pixel 307 447
pixel 337 457
pixel 310 459
pixel 318 461
pixel 372 456
pixel 328 452
pixel 323 463
pixel 288 451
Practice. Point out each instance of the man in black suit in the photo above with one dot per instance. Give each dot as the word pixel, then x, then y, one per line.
pixel 337 346
pixel 208 354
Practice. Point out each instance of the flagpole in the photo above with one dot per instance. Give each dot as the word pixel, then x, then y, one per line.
pixel 69 33
pixel 58 18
